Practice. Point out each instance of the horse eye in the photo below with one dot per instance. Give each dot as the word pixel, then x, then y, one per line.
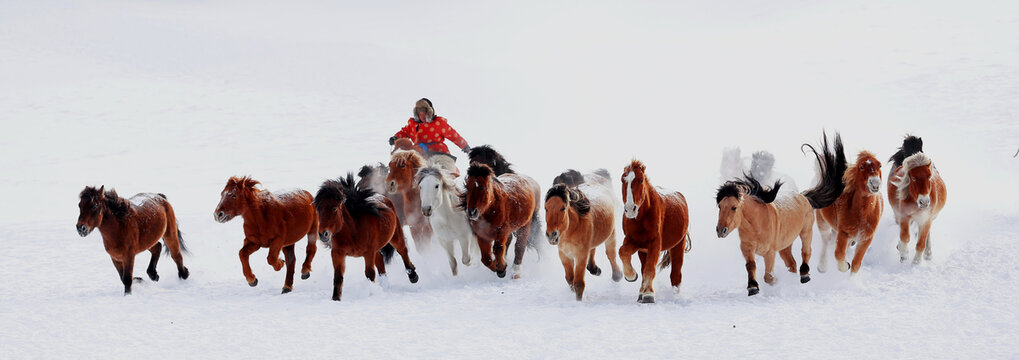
pixel 233 196
pixel 733 208
pixel 564 208
pixel 436 186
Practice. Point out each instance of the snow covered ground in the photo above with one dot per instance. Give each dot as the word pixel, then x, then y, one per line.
pixel 175 97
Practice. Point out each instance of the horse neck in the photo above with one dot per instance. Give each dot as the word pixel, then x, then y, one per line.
pixel 349 223
pixel 449 199
pixel 257 209
pixel 755 215
pixel 110 224
pixel 575 222
pixel 654 199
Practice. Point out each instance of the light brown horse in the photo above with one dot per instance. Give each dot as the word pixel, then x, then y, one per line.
pixel 130 227
pixel 498 206
pixel 273 220
pixel 769 224
pixel 358 222
pixel 578 219
pixel 854 216
pixel 403 166
pixel 917 194
pixel 654 221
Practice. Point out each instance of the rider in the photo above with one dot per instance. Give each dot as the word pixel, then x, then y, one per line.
pixel 429 131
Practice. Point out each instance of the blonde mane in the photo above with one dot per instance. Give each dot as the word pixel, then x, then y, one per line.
pixel 912 162
pixel 409 158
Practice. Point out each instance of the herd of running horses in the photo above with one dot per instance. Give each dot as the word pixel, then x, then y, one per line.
pixel 493 204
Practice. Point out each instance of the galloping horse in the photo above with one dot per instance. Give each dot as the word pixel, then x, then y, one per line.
pixel 580 215
pixel 439 199
pixel 768 223
pixel 358 222
pixel 400 181
pixel 919 195
pixel 130 227
pixel 273 220
pixel 854 216
pixel 498 206
pixel 653 221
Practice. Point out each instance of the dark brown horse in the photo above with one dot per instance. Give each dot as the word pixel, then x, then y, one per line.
pixel 498 206
pixel 403 166
pixel 130 227
pixel 653 221
pixel 273 220
pixel 360 223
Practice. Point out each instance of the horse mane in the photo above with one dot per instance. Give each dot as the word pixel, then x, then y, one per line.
pixel 575 198
pixel 485 154
pixel 409 158
pixel 750 186
pixel 476 170
pixel 117 205
pixel 436 171
pixel 910 145
pixel 913 161
pixel 365 171
pixel 570 178
pixel 831 165
pixel 849 178
pixel 245 184
pixel 345 191
pixel 635 165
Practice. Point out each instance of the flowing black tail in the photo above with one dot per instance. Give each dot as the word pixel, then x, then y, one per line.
pixel 911 145
pixel 831 165
pixel 388 251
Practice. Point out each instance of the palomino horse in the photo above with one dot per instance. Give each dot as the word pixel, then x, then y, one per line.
pixel 653 221
pixel 768 223
pixel 360 223
pixel 400 181
pixel 130 227
pixel 919 195
pixel 439 199
pixel 498 206
pixel 273 220
pixel 578 218
pixel 854 216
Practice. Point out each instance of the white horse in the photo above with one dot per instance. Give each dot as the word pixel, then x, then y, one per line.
pixel 439 203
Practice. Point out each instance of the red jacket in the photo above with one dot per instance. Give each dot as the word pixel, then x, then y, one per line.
pixel 433 134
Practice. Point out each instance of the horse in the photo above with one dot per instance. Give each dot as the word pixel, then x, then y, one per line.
pixel 920 195
pixel 439 199
pixel 357 222
pixel 400 182
pixel 654 220
pixel 485 154
pixel 497 207
pixel 768 223
pixel 276 220
pixel 130 227
pixel 579 216
pixel 374 177
pixel 855 214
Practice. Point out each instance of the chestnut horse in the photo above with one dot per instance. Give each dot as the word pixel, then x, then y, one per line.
pixel 769 224
pixel 358 222
pixel 130 227
pixel 854 216
pixel 498 206
pixel 400 182
pixel 578 218
pixel 654 221
pixel 919 195
pixel 273 220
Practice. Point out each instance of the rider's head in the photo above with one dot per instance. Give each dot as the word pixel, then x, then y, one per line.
pixel 423 110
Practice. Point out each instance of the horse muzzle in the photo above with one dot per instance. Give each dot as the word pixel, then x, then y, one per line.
pixel 874 184
pixel 553 237
pixel 473 214
pixel 722 232
pixel 83 230
pixel 923 201
pixel 392 188
pixel 325 235
pixel 630 213
pixel 221 217
pixel 426 211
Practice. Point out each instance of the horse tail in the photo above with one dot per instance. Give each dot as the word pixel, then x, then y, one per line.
pixel 172 221
pixel 536 230
pixel 388 251
pixel 666 260
pixel 689 244
pixel 831 165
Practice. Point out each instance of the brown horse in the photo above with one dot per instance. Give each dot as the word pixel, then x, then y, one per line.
pixel 273 220
pixel 360 223
pixel 653 221
pixel 130 227
pixel 374 177
pixel 855 215
pixel 403 166
pixel 919 195
pixel 498 206
pixel 578 219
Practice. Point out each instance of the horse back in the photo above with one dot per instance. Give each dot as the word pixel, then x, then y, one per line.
pixel 522 193
pixel 298 214
pixel 152 217
pixel 603 211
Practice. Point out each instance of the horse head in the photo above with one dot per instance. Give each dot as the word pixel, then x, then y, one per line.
pixel 91 206
pixel 865 175
pixel 480 192
pixel 635 188
pixel 236 197
pixel 402 167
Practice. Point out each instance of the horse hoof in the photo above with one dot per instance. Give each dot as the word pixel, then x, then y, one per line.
pixel 183 275
pixel 616 276
pixel 253 283
pixel 336 298
pixel 646 299
pixel 804 279
pixel 286 290
pixel 632 280
pixel 844 266
pixel 753 291
pixel 153 276
pixel 852 243
pixel 516 276
pixel 902 258
pixel 500 273
pixel 413 276
pixel 596 271
pixel 305 276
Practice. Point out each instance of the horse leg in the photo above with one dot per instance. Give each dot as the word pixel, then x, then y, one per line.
pixel 245 252
pixel 447 244
pixel 861 250
pixel 787 258
pixel 380 264
pixel 611 253
pixel 309 254
pixel 769 268
pixel 903 239
pixel 927 253
pixel 465 248
pixel 677 254
pixel 369 266
pixel 841 245
pixel 400 244
pixel 827 238
pixel 748 255
pixel 499 254
pixel 649 263
pixel 339 259
pixel 578 276
pixel 921 241
pixel 568 268
pixel 126 276
pixel 806 238
pixel 291 260
pixel 275 245
pixel 172 240
pixel 120 268
pixel 153 275
pixel 522 236
pixel 626 256
pixel 591 266
pixel 485 246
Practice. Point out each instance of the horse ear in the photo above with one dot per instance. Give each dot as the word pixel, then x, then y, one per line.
pixel 102 191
